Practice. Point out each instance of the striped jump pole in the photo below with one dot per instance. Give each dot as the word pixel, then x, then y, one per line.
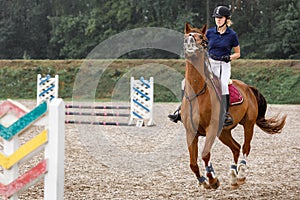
pixel 97 107
pixel 98 114
pixel 97 123
pixel 82 112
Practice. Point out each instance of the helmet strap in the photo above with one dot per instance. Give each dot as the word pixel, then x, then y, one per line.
pixel 223 24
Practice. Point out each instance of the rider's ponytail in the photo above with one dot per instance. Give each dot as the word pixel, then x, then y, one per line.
pixel 228 22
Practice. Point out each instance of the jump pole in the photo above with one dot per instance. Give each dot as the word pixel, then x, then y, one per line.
pixel 98 123
pixel 97 107
pixel 98 114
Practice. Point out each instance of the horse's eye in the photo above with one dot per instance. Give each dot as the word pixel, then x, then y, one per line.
pixel 201 37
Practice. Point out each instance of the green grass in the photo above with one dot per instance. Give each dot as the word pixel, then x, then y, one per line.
pixel 277 80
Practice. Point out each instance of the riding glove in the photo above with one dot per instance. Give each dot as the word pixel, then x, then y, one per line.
pixel 226 58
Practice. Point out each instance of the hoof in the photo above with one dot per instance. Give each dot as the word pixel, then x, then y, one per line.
pixel 203 182
pixel 234 186
pixel 205 185
pixel 241 181
pixel 215 183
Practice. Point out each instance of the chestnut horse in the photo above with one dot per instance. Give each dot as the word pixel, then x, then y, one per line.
pixel 201 113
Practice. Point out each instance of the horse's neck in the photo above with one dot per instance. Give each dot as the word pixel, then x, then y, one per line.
pixel 194 75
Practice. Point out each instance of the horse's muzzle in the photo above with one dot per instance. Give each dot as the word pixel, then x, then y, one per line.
pixel 190 46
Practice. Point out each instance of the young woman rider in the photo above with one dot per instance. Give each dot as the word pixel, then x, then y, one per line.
pixel 221 41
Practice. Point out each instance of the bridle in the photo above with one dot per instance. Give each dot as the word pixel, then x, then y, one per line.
pixel 191 44
pixel 204 42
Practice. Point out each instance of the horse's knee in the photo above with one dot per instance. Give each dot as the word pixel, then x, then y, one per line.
pixel 194 167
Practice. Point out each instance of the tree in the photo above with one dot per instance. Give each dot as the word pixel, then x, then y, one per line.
pixel 285 43
pixel 72 28
pixel 267 29
pixel 24 29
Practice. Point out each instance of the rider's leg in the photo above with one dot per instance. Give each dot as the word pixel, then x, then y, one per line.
pixel 225 77
pixel 226 102
pixel 175 117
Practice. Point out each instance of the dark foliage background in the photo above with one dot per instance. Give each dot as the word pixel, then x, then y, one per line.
pixel 54 29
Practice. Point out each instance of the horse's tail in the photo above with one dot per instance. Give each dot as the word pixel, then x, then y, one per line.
pixel 274 124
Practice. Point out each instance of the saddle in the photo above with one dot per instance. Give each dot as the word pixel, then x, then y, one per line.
pixel 235 95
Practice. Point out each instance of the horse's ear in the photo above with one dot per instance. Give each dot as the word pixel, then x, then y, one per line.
pixel 187 28
pixel 204 28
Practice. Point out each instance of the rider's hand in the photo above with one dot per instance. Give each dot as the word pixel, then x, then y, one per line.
pixel 226 58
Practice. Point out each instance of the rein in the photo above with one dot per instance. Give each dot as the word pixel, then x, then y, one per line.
pixel 209 75
pixel 190 99
pixel 202 91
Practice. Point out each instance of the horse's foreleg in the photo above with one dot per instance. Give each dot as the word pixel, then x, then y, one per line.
pixel 210 173
pixel 193 151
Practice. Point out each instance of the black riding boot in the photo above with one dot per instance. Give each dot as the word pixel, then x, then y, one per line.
pixel 228 119
pixel 175 117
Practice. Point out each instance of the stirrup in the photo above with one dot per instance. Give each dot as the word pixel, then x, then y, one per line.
pixel 175 117
pixel 228 120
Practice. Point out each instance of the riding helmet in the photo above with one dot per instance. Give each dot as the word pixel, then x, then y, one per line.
pixel 221 11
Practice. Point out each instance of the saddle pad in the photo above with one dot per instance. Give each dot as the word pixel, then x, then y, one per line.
pixel 235 95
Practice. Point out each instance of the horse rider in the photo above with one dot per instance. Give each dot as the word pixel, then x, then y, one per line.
pixel 221 40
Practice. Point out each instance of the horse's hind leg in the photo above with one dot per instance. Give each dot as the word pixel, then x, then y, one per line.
pixel 248 134
pixel 193 151
pixel 235 147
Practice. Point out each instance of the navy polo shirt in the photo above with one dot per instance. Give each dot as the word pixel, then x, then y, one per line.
pixel 221 44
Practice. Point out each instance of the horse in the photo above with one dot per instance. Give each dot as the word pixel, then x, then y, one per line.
pixel 202 113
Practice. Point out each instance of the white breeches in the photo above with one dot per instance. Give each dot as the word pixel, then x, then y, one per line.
pixel 223 71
